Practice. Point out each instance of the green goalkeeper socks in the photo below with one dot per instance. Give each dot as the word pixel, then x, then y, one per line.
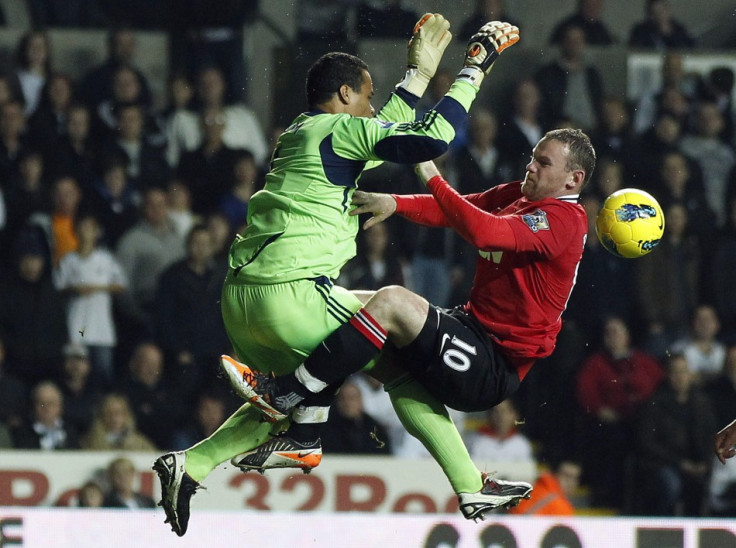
pixel 426 418
pixel 241 432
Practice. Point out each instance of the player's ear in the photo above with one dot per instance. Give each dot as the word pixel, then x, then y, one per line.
pixel 577 179
pixel 343 93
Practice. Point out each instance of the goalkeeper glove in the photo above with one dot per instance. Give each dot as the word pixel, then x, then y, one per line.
pixel 484 47
pixel 431 37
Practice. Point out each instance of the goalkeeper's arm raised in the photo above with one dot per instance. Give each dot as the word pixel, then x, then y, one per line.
pixel 428 42
pixel 483 49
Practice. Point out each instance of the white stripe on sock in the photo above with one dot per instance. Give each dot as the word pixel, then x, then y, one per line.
pixel 310 415
pixel 371 326
pixel 312 383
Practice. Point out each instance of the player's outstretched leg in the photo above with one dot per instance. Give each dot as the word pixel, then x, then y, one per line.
pixel 177 488
pixel 495 493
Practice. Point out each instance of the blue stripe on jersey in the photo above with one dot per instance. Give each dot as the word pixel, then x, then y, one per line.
pixel 338 170
pixel 452 111
pixel 409 98
pixel 409 149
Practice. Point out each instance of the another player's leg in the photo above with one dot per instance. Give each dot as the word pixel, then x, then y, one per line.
pixel 345 351
pixel 427 419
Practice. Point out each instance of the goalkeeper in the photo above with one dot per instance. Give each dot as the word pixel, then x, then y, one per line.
pixel 278 302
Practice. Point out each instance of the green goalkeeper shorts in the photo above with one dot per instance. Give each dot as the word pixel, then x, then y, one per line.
pixel 275 327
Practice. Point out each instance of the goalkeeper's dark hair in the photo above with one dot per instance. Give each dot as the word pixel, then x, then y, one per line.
pixel 331 71
pixel 581 153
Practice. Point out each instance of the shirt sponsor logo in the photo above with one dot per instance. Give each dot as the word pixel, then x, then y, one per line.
pixel 536 221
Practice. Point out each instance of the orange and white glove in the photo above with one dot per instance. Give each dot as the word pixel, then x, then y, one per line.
pixel 484 47
pixel 430 38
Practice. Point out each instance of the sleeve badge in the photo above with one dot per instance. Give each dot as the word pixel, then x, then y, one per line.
pixel 536 221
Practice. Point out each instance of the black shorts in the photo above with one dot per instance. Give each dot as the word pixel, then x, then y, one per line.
pixel 465 370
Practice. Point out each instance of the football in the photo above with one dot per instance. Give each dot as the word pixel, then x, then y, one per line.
pixel 630 223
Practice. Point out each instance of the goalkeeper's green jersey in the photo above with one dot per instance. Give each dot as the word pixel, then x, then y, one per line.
pixel 298 226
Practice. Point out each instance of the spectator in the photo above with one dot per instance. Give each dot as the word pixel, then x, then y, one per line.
pixel 715 158
pixel 121 473
pixel 26 193
pixel 613 136
pixel 179 99
pixel 114 428
pixel 58 223
pixel 32 311
pixel 553 491
pixel 607 179
pixel 90 495
pixel 703 350
pixel 234 204
pixel 498 438
pixel 209 414
pixel 571 87
pixel 126 91
pixel 13 394
pixel 521 128
pixel 32 67
pixel 75 152
pixel 49 121
pixel 589 307
pixel 588 17
pixel 97 84
pixel 222 236
pixel 179 201
pixel 612 385
pixel 145 251
pixel 241 127
pixel 350 430
pixel 208 170
pixel 674 444
pixel 201 36
pixel 188 318
pixel 660 30
pixel 677 181
pixel 92 275
pixel 384 19
pixel 81 396
pixel 113 200
pixel 722 490
pixel 156 405
pixel 668 283
pixel 376 264
pixel 673 76
pixel 717 88
pixel 46 428
pixel 721 390
pixel 724 263
pixel 479 163
pixel 12 138
pixel 146 161
pixel 653 145
pixel 485 10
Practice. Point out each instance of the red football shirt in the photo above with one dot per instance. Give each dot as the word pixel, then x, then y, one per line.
pixel 528 255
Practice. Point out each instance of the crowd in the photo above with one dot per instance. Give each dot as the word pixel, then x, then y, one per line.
pixel 116 218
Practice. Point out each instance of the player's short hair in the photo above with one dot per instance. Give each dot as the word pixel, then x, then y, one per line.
pixel 581 152
pixel 331 71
